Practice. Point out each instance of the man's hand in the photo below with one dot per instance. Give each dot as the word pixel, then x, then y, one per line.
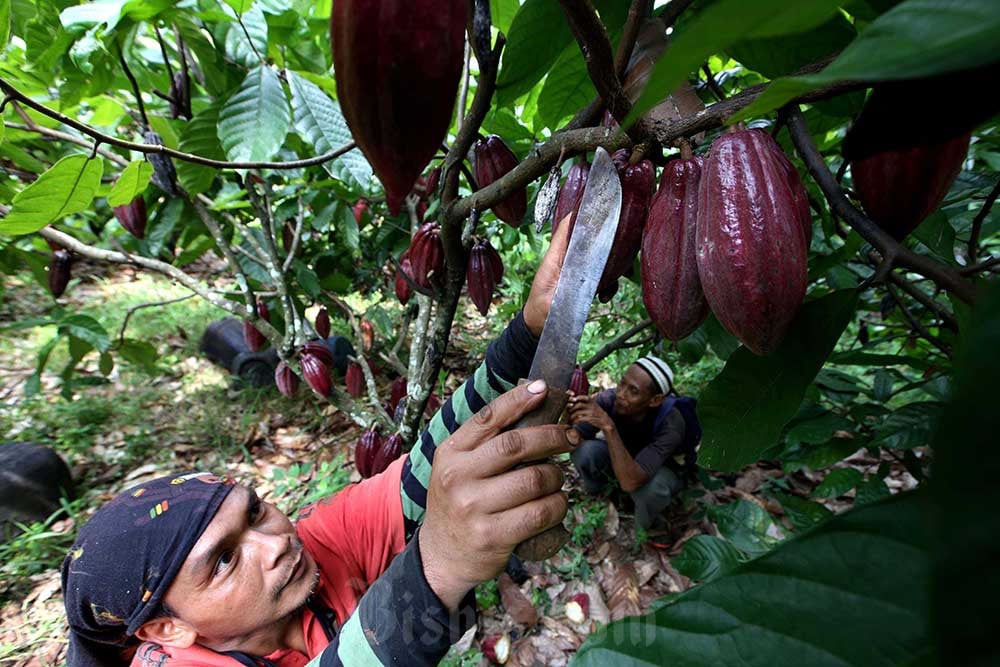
pixel 478 506
pixel 543 288
pixel 585 410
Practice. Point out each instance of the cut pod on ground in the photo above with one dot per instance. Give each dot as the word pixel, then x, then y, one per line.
pixel 494 160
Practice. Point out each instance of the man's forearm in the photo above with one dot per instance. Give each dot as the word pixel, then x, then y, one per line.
pixel 629 474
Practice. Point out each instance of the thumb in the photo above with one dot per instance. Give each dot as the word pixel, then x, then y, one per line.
pixel 497 415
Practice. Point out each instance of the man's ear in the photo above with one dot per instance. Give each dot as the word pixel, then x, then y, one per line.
pixel 167 631
pixel 657 400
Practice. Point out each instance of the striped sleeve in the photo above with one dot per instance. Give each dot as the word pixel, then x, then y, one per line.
pixel 508 359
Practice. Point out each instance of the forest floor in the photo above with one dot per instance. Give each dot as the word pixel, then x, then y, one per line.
pixel 188 415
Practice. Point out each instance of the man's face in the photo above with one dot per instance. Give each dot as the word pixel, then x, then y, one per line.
pixel 245 578
pixel 635 394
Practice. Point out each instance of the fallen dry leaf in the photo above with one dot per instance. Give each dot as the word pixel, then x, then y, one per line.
pixel 518 606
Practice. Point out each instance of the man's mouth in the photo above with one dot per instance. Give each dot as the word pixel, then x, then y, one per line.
pixel 298 568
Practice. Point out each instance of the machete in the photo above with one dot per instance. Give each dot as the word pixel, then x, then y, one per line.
pixel 555 357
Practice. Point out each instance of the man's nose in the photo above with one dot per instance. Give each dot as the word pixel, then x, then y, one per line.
pixel 271 547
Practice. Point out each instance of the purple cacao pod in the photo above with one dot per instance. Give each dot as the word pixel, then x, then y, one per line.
pixel 671 288
pixel 254 339
pixel 391 449
pixel 480 275
pixel 800 197
pixel 319 350
pixel 286 379
pixel 751 248
pixel 366 450
pixel 59 272
pixel 132 216
pixel 367 336
pixel 316 373
pixel 323 323
pixel 493 160
pixel 401 286
pixel 578 382
pixel 359 209
pixel 427 255
pixel 397 392
pixel 638 182
pixel 355 379
pixel 571 194
pixel 398 66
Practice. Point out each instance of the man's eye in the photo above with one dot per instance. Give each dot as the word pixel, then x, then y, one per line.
pixel 225 560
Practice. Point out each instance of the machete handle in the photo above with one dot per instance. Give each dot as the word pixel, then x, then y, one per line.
pixel 547 543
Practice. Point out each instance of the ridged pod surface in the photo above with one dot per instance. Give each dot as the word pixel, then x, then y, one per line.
pixel 60 272
pixel 578 382
pixel 355 379
pixel 571 194
pixel 316 373
pixel 320 351
pixel 391 449
pixel 398 66
pixel 671 288
pixel 493 160
pixel 365 451
pixel 751 247
pixel 323 323
pixel 483 273
pixel 427 255
pixel 286 379
pixel 132 216
pixel 254 339
pixel 638 182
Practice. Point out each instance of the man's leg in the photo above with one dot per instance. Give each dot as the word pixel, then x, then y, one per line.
pixel 593 462
pixel 653 497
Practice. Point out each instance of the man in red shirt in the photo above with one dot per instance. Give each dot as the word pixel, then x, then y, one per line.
pixel 193 570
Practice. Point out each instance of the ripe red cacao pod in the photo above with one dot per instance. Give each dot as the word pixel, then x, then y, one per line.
pixel 671 288
pixel 799 195
pixel 367 336
pixel 254 339
pixel 323 323
pixel 397 67
pixel 319 350
pixel 571 194
pixel 401 286
pixel 391 449
pixel 366 450
pixel 493 160
pixel 60 272
pixel 359 210
pixel 638 182
pixel 751 247
pixel 480 275
pixel 433 405
pixel 316 373
pixel 396 393
pixel 427 185
pixel 578 382
pixel 262 310
pixel 286 379
pixel 355 379
pixel 427 255
pixel 132 216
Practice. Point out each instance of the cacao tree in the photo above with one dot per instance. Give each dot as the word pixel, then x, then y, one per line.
pixel 832 279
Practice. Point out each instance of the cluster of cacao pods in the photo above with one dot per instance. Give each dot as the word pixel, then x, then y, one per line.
pixel 397 67
pixel 315 361
pixel 132 216
pixel 373 453
pixel 483 273
pixel 255 340
pixel 493 159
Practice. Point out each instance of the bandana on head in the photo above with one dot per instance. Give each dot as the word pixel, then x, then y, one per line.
pixel 125 558
pixel 660 371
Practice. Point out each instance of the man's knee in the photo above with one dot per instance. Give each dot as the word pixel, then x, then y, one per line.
pixel 655 495
pixel 593 462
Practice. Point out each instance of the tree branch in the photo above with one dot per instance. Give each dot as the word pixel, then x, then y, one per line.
pixel 947 319
pixel 637 11
pixel 616 344
pixel 893 254
pixel 131 311
pixel 982 266
pixel 916 325
pixel 977 222
pixel 135 89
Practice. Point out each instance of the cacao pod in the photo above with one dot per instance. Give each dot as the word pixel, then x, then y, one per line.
pixel 254 339
pixel 323 323
pixel 402 287
pixel 578 608
pixel 578 382
pixel 671 288
pixel 481 275
pixel 638 182
pixel 799 195
pixel 164 174
pixel 360 208
pixel 751 248
pixel 396 393
pixel 286 379
pixel 391 449
pixel 496 648
pixel 433 405
pixel 180 95
pixel 132 216
pixel 316 373
pixel 60 272
pixel 367 336
pixel 397 66
pixel 427 185
pixel 319 350
pixel 427 255
pixel 365 452
pixel 355 379
pixel 493 160
pixel 262 310
pixel 571 194
pixel 288 235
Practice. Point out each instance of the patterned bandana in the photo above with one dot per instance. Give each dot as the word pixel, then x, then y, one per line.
pixel 125 558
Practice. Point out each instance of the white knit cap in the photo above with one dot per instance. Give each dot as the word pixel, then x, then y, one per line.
pixel 659 370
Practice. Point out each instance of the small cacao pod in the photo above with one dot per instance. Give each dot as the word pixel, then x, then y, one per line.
pixel 493 160
pixel 401 286
pixel 286 379
pixel 59 272
pixel 433 405
pixel 671 288
pixel 316 373
pixel 481 274
pixel 396 393
pixel 367 336
pixel 427 255
pixel 638 182
pixel 751 247
pixel 397 66
pixel 319 350
pixel 355 379
pixel 365 452
pixel 262 310
pixel 391 449
pixel 164 174
pixel 571 194
pixel 288 235
pixel 254 339
pixel 323 323
pixel 427 185
pixel 545 200
pixel 132 216
pixel 360 208
pixel 578 382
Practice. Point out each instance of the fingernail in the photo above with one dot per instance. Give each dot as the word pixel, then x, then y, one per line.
pixel 537 387
pixel 573 436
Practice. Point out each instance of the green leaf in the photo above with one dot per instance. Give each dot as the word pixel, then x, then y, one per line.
pixel 745 524
pixel 131 184
pixel 567 88
pixel 815 457
pixel 67 187
pixel 938 235
pixel 908 427
pixel 248 52
pixel 719 25
pixel 502 13
pixel 78 349
pixel 838 482
pixel 803 514
pixel 254 121
pixel 4 34
pixel 918 38
pixel 721 341
pixel 140 353
pixel 745 407
pixel 693 348
pixel 854 591
pixel 705 557
pixel 818 429
pixel 871 490
pixel 34 383
pixel 239 6
pixel 883 385
pixel 783 55
pixel 858 358
pixel 200 137
pixel 308 280
pixel 85 328
pixel 106 364
pixel 318 120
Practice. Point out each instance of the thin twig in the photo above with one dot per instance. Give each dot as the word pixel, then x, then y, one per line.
pixel 463 92
pixel 615 344
pixel 296 237
pixel 977 222
pixel 716 89
pixel 71 138
pixel 985 265
pixel 131 311
pixel 947 319
pixel 916 325
pixel 135 89
pixel 637 11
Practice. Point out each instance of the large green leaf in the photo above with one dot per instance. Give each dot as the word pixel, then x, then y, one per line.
pixel 803 514
pixel 246 40
pixel 778 56
pixel 318 119
pixel 909 426
pixel 838 482
pixel 200 137
pixel 705 557
pixel 745 407
pixel 67 187
pixel 744 524
pixel 567 88
pixel 917 38
pixel 4 32
pixel 854 591
pixel 131 184
pixel 85 328
pixel 254 121
pixel 718 26
pixel 502 13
